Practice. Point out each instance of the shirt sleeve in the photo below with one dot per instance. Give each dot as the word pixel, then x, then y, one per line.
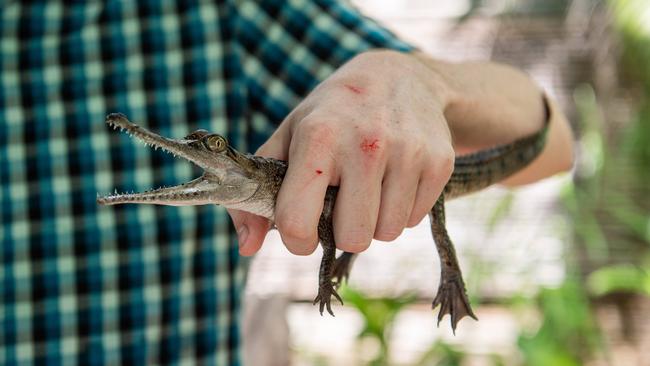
pixel 288 47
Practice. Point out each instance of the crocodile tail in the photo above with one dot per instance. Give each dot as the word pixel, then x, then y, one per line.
pixel 481 169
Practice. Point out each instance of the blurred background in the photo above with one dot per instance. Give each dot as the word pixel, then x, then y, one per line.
pixel 558 272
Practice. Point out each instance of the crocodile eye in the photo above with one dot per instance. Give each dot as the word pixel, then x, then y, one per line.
pixel 215 143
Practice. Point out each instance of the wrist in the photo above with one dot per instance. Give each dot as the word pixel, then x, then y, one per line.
pixel 396 68
pixel 488 104
pixel 443 77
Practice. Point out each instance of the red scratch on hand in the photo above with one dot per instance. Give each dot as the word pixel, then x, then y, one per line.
pixel 368 145
pixel 319 172
pixel 354 89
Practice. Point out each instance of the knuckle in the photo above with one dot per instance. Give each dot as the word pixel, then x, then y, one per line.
pixel 423 146
pixel 439 166
pixel 293 227
pixel 388 233
pixel 301 250
pixel 318 138
pixel 375 142
pixel 443 158
pixel 380 130
pixel 417 151
pixel 316 129
pixel 354 247
pixel 414 220
pixel 447 160
pixel 354 241
pixel 418 214
pixel 391 224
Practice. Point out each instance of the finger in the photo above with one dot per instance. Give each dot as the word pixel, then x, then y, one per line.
pixel 277 146
pixel 432 182
pixel 357 207
pixel 398 192
pixel 251 231
pixel 300 200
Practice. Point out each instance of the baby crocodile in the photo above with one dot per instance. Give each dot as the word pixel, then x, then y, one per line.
pixel 251 183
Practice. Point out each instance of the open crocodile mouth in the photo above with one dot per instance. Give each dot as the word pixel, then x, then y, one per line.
pixel 194 192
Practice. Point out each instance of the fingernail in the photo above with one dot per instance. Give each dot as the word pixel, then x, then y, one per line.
pixel 242 235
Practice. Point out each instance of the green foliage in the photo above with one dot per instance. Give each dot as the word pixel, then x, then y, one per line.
pixel 620 278
pixel 629 215
pixel 608 204
pixel 568 333
pixel 379 317
pixel 631 21
pixel 442 354
pixel 611 182
pixel 501 210
pixel 584 199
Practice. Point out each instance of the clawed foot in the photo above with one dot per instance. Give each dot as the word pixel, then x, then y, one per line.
pixel 341 269
pixel 325 293
pixel 452 300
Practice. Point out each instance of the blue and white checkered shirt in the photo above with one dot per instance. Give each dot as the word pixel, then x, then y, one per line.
pixel 134 284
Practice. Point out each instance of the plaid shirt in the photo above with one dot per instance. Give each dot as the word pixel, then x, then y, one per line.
pixel 84 284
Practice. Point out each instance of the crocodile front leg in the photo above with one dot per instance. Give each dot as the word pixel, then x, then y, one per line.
pixel 451 296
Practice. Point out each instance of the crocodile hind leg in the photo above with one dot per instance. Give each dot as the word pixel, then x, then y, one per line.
pixel 341 268
pixel 325 285
pixel 451 296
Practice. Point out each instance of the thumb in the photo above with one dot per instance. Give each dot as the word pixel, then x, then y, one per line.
pixel 251 231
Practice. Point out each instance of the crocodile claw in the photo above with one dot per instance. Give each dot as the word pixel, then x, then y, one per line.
pixel 324 298
pixel 453 301
pixel 341 269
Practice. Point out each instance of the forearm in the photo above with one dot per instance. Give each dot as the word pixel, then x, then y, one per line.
pixel 487 104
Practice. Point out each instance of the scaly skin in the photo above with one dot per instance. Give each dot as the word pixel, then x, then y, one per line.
pixel 251 183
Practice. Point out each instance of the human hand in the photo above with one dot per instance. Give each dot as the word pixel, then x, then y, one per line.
pixel 376 129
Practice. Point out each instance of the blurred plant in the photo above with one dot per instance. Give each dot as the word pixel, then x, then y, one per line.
pixel 608 203
pixel 620 278
pixel 442 354
pixel 607 206
pixel 584 199
pixel 379 317
pixel 632 21
pixel 501 210
pixel 568 334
